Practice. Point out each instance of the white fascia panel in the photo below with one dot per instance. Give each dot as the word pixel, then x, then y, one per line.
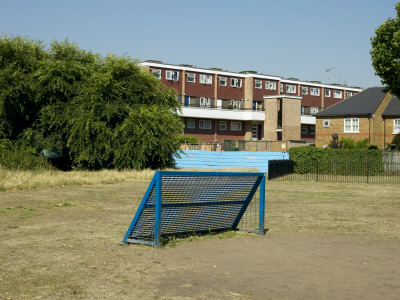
pixel 309 120
pixel 222 114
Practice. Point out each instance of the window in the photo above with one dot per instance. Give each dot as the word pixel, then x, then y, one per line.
pixel 172 75
pixel 204 102
pixel 205 79
pixel 236 126
pixel 190 123
pixel 304 90
pixel 304 130
pixel 258 84
pixel 314 110
pixel 205 124
pixel 235 104
pixel 327 93
pixel 222 81
pixel 222 125
pixel 351 125
pixel 191 77
pixel 396 126
pixel 326 123
pixel 281 88
pixel 314 91
pixel 290 89
pixel 270 85
pixel 156 73
pixel 235 82
pixel 349 94
pixel 337 94
pixel 312 130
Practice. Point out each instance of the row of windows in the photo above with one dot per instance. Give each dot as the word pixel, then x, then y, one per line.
pixel 206 124
pixel 203 79
pixel 236 82
pixel 313 91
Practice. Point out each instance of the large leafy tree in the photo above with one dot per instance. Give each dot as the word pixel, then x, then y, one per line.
pixel 386 53
pixel 91 111
pixel 20 59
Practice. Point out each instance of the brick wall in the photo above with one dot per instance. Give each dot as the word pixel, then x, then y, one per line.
pixel 291 119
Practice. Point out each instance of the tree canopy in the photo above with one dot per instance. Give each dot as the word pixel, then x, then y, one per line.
pixel 85 110
pixel 386 53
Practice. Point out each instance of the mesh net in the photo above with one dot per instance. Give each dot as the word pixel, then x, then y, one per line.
pixel 198 203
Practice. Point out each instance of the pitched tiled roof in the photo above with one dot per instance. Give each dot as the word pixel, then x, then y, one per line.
pixel 364 103
pixel 393 108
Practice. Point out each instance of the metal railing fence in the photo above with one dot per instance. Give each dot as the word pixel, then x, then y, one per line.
pixel 335 171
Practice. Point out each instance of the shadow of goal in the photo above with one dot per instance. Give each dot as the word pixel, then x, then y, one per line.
pixel 179 202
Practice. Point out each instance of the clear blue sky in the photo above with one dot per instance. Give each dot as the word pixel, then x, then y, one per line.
pixel 290 38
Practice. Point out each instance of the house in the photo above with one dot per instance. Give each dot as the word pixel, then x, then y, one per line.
pixel 372 114
pixel 222 105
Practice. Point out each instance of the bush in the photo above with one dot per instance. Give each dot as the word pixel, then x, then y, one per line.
pixel 189 139
pixel 337 161
pixel 13 158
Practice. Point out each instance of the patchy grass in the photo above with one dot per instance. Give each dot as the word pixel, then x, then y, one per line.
pixel 63 242
pixel 20 180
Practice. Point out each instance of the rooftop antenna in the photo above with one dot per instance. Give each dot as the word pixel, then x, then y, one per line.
pixel 328 70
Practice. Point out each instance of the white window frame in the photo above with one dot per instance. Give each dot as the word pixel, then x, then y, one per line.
pixel 258 84
pixel 191 77
pixel 205 79
pixel 349 94
pixel 156 73
pixel 236 82
pixel 281 88
pixel 304 130
pixel 337 94
pixel 396 126
pixel 314 91
pixel 235 104
pixel 290 89
pixel 222 81
pixel 304 90
pixel 205 102
pixel 236 126
pixel 190 124
pixel 205 124
pixel 222 125
pixel 327 92
pixel 314 109
pixel 351 125
pixel 326 123
pixel 172 75
pixel 270 85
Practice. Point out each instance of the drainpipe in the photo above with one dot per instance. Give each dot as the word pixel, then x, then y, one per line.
pixel 369 129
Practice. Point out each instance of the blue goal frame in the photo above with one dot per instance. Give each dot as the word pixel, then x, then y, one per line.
pixel 180 202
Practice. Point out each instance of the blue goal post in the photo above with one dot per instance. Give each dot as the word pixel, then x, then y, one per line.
pixel 180 202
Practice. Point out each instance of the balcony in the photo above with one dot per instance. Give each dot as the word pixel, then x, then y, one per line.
pixel 224 110
pixel 209 103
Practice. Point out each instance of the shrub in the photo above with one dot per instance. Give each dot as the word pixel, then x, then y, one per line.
pixel 328 160
pixel 13 158
pixel 189 139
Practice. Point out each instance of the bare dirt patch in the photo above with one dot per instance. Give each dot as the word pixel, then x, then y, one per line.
pixel 326 241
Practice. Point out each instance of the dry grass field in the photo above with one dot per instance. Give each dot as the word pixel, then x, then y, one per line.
pixel 325 240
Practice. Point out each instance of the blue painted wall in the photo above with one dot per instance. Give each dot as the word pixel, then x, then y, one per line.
pixel 227 159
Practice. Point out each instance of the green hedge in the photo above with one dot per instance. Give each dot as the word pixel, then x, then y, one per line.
pixel 336 161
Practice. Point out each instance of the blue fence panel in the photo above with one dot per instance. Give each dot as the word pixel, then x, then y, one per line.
pixel 227 159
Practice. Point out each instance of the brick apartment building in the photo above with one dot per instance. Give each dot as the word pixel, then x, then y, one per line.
pixel 221 105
